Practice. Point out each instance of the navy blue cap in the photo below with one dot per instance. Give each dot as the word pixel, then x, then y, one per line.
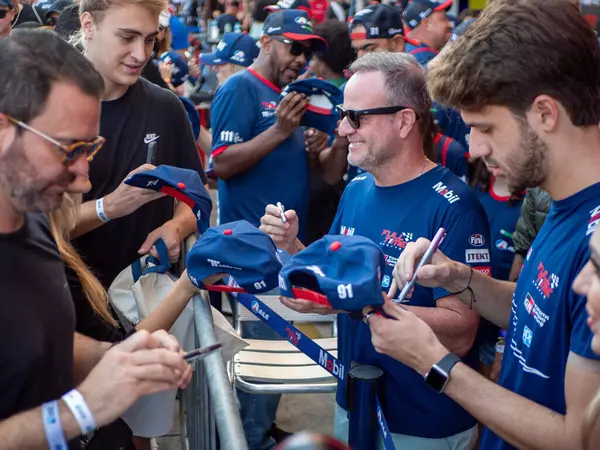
pixel 295 25
pixel 235 48
pixel 180 67
pixel 379 21
pixel 6 3
pixel 290 4
pixel 343 271
pixel 324 97
pixel 417 10
pixel 183 184
pixel 240 250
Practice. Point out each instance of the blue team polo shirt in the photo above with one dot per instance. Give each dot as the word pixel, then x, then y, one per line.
pixel 452 155
pixel 243 108
pixel 423 53
pixel 391 217
pixel 548 319
pixel 451 123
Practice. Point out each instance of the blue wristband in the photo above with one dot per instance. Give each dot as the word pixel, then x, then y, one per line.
pixel 53 427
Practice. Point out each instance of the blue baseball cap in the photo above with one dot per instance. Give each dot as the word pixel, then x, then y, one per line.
pixel 295 25
pixel 183 184
pixel 380 22
pixel 180 67
pixel 324 97
pixel 235 48
pixel 290 4
pixel 193 116
pixel 240 250
pixel 418 10
pixel 341 271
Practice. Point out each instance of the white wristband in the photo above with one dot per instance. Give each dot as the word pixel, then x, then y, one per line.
pixel 100 210
pixel 53 427
pixel 74 400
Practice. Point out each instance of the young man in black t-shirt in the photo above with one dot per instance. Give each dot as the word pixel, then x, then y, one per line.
pixel 44 145
pixel 142 123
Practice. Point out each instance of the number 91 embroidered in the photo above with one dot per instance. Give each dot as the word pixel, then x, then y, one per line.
pixel 345 291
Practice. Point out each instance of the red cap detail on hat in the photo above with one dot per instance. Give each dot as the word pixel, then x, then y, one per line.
pixel 181 185
pixel 335 246
pixel 227 232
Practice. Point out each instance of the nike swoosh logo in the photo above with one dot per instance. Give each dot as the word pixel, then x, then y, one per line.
pixel 152 139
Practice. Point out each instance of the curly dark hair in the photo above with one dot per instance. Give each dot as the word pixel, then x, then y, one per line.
pixel 339 54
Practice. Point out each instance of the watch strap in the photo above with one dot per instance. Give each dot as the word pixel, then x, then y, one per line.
pixel 448 362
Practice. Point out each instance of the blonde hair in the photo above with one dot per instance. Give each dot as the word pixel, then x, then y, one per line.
pixel 97 8
pixel 62 223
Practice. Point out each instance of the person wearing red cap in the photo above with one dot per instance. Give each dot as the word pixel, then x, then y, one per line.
pixel 429 27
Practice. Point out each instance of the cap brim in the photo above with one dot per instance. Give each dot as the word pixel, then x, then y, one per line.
pixel 210 59
pixel 312 296
pixel 411 41
pixel 318 43
pixel 272 8
pixel 445 6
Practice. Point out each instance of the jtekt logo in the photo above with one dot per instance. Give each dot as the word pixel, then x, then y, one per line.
pixel 448 194
pixel 337 370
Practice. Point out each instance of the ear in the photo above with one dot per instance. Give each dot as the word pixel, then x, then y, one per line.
pixel 87 25
pixel 266 44
pixel 544 113
pixel 407 121
pixel 398 44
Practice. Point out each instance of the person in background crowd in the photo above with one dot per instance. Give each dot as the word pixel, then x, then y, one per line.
pixel 429 27
pixel 54 11
pixel 332 63
pixel 175 72
pixel 381 205
pixel 179 34
pixel 45 144
pixel 534 111
pixel 27 13
pixel 259 15
pixel 7 14
pixel 378 28
pixel 338 10
pixel 502 208
pixel 228 19
pixel 235 53
pixel 260 157
pixel 533 215
pixel 467 14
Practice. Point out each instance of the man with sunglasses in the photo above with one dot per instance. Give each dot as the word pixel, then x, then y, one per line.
pixel 45 145
pixel 402 198
pixel 7 13
pixel 260 156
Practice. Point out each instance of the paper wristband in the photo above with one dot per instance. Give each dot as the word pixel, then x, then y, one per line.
pixel 75 402
pixel 100 210
pixel 53 427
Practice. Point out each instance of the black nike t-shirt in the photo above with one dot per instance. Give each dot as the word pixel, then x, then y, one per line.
pixel 145 114
pixel 37 320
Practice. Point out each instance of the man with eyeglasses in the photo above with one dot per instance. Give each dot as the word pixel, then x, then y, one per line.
pixel 403 197
pixel 7 13
pixel 260 156
pixel 45 145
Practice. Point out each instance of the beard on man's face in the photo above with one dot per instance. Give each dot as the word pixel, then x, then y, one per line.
pixel 20 180
pixel 529 163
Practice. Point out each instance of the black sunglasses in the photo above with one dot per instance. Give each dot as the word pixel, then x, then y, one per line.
pixel 296 48
pixel 4 12
pixel 353 115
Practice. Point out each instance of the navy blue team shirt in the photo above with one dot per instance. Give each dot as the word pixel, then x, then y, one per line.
pixel 452 155
pixel 451 123
pixel 392 217
pixel 548 319
pixel 243 108
pixel 422 52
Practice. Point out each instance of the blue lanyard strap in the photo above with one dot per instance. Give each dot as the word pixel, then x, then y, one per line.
pixel 310 348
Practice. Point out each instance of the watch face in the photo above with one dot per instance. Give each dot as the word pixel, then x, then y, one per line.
pixel 436 379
